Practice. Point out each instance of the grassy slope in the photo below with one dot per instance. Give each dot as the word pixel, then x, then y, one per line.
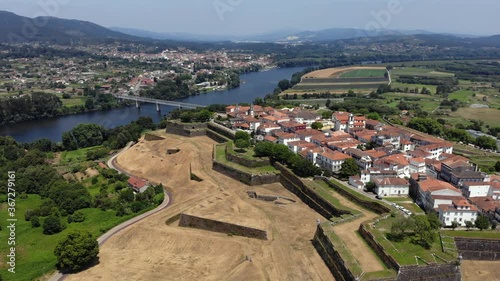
pixel 35 251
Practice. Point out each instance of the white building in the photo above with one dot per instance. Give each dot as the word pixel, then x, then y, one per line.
pixel 432 192
pixel 285 138
pixel 459 211
pixel 391 187
pixel 477 189
pixel 417 165
pixel 331 160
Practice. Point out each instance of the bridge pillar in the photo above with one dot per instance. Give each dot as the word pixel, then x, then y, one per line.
pixel 137 104
pixel 158 107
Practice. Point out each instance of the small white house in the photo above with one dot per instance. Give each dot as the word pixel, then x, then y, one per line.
pixel 391 187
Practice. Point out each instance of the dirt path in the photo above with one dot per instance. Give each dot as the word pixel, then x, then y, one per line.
pixel 480 270
pixel 153 250
pixel 348 233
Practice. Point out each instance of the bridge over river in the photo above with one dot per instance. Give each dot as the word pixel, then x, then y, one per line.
pixel 138 100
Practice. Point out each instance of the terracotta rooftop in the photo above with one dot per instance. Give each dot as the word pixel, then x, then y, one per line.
pixel 390 181
pixel 335 155
pixel 431 184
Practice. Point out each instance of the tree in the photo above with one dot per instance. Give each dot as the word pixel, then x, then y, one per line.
pixel 204 116
pixel 84 135
pixel 454 224
pixel 127 195
pixel 35 222
pixel 426 125
pixel 242 144
pixel 89 103
pixel 468 224
pixel 373 116
pixel 317 126
pixel 281 153
pixel 434 220
pixel 486 142
pixel 400 227
pixel 186 117
pixel 264 149
pixel 303 168
pixel 240 135
pixel 284 85
pixel 78 216
pixel 52 225
pixel 349 168
pixel 497 166
pixel 482 222
pixel 76 251
pixel 370 186
pixel 424 234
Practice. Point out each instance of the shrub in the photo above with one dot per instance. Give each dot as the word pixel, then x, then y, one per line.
pixel 76 251
pixel 79 216
pixel 35 222
pixel 52 225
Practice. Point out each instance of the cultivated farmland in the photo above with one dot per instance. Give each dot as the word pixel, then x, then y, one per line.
pixel 340 80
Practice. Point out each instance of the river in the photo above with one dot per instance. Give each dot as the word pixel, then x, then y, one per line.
pixel 254 85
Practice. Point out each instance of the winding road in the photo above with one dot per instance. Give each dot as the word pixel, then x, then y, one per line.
pixel 59 276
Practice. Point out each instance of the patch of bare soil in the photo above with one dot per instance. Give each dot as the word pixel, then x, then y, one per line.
pixel 480 270
pixel 153 250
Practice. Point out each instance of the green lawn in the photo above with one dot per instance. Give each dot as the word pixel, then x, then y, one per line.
pixel 487 234
pixel 34 250
pixel 363 73
pixel 398 199
pixel 388 273
pixel 412 207
pixel 405 252
pixel 356 194
pixel 220 156
pixel 76 156
pixel 417 71
pixel 462 95
pixel 73 101
pixel 327 193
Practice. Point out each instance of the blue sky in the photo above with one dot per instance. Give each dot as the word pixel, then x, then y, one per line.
pixel 245 17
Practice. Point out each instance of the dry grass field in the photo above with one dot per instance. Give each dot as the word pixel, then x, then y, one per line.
pixel 480 271
pixel 336 72
pixel 153 250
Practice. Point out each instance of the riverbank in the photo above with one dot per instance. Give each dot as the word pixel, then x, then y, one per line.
pixel 257 85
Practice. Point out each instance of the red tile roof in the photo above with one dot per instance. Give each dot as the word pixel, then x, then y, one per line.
pixel 137 183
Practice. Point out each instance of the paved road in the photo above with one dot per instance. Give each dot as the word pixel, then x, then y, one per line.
pixel 58 276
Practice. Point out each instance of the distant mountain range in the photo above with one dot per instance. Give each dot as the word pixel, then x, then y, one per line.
pixel 282 36
pixel 15 28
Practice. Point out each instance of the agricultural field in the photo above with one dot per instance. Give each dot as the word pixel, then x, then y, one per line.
pixel 419 71
pixel 340 80
pixel 363 73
